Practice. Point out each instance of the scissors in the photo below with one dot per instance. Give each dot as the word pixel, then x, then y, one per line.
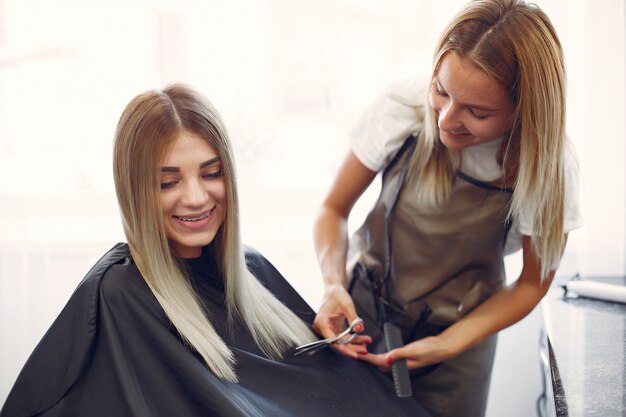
pixel 341 339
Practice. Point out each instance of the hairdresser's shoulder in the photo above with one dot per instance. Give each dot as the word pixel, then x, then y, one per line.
pixel 409 91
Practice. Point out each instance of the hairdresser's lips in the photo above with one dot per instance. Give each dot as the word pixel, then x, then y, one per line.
pixel 194 221
pixel 455 140
pixel 455 135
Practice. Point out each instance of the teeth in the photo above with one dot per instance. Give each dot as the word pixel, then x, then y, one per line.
pixel 193 219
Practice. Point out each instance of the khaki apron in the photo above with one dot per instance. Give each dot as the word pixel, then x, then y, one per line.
pixel 431 266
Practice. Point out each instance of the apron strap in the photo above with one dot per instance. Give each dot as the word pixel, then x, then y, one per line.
pixel 407 146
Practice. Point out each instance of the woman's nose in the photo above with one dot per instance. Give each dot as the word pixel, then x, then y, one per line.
pixel 194 194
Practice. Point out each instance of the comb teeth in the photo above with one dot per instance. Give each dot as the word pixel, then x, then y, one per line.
pixel 399 369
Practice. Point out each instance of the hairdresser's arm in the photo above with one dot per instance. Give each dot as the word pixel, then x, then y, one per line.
pixel 501 310
pixel 331 245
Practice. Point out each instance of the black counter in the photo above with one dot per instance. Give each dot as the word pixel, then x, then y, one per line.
pixel 585 352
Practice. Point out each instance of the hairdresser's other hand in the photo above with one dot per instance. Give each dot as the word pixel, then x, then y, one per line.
pixel 336 311
pixel 420 353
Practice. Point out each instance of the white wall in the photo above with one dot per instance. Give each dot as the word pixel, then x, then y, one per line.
pixel 603 147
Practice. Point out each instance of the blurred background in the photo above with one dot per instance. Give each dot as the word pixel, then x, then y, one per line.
pixel 289 78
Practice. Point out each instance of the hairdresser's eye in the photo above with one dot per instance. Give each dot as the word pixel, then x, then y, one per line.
pixel 439 90
pixel 166 185
pixel 478 116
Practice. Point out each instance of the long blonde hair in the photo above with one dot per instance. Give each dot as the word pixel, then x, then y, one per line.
pixel 515 44
pixel 149 123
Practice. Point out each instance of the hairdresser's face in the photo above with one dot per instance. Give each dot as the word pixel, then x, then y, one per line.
pixel 193 195
pixel 471 108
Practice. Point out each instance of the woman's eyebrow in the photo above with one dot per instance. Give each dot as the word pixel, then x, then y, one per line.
pixel 210 162
pixel 202 165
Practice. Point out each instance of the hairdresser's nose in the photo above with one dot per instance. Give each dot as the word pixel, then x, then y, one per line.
pixel 194 195
pixel 449 117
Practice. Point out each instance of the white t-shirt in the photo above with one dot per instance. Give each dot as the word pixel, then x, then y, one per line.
pixel 392 117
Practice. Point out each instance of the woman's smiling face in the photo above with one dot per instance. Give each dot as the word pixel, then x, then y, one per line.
pixel 193 194
pixel 471 108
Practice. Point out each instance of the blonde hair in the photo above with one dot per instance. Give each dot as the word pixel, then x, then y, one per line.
pixel 514 43
pixel 149 123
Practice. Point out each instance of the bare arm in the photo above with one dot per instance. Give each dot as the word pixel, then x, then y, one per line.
pixel 331 245
pixel 501 310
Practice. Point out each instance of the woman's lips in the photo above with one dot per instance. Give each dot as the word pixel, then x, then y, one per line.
pixel 194 221
pixel 193 218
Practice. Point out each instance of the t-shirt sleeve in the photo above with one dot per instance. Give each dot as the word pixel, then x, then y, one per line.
pixel 573 218
pixel 573 211
pixel 388 121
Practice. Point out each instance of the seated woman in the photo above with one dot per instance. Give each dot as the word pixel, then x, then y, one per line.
pixel 179 321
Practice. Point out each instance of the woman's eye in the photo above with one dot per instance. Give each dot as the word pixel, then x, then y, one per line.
pixel 166 185
pixel 213 174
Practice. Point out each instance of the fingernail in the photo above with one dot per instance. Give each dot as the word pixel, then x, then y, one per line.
pixel 358 328
pixel 368 342
pixel 389 360
pixel 363 352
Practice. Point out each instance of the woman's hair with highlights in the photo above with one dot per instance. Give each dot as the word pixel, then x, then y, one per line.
pixel 149 123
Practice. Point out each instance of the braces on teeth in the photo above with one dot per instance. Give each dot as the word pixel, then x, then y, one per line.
pixel 193 219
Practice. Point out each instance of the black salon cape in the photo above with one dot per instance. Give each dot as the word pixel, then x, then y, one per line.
pixel 113 352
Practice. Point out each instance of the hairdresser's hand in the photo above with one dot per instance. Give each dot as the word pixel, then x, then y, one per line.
pixel 420 353
pixel 336 312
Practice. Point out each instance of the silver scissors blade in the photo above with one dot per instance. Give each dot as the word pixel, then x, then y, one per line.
pixel 314 347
